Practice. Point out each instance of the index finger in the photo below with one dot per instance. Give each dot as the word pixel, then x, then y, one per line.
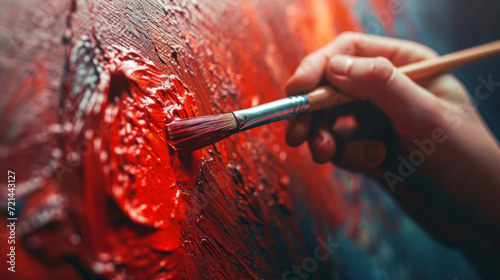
pixel 310 71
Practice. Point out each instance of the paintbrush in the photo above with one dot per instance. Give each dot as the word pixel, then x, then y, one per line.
pixel 187 135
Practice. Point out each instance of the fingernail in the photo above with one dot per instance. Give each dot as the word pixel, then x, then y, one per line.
pixel 340 64
pixel 318 139
pixel 372 152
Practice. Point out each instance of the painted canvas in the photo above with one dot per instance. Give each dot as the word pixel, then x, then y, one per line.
pixel 87 89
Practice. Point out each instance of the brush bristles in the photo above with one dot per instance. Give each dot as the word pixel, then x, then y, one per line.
pixel 187 135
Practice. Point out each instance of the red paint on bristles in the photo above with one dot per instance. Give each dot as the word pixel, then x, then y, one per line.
pixel 187 135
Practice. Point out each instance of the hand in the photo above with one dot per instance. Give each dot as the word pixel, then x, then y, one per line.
pixel 438 132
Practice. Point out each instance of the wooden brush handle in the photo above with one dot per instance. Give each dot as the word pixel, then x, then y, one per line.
pixel 327 97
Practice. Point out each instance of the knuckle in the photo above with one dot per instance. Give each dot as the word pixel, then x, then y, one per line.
pixel 308 58
pixel 305 62
pixel 308 62
pixel 347 35
pixel 304 67
pixel 351 42
pixel 382 70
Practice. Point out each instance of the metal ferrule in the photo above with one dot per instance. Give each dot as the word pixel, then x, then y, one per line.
pixel 278 110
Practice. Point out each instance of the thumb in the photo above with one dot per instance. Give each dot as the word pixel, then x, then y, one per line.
pixel 378 81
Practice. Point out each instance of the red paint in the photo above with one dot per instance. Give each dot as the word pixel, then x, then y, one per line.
pixel 100 184
pixel 132 164
pixel 147 177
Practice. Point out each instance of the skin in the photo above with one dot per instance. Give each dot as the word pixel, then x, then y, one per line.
pixel 455 189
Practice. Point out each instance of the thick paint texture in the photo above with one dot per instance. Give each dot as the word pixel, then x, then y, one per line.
pixel 102 187
pixel 87 88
